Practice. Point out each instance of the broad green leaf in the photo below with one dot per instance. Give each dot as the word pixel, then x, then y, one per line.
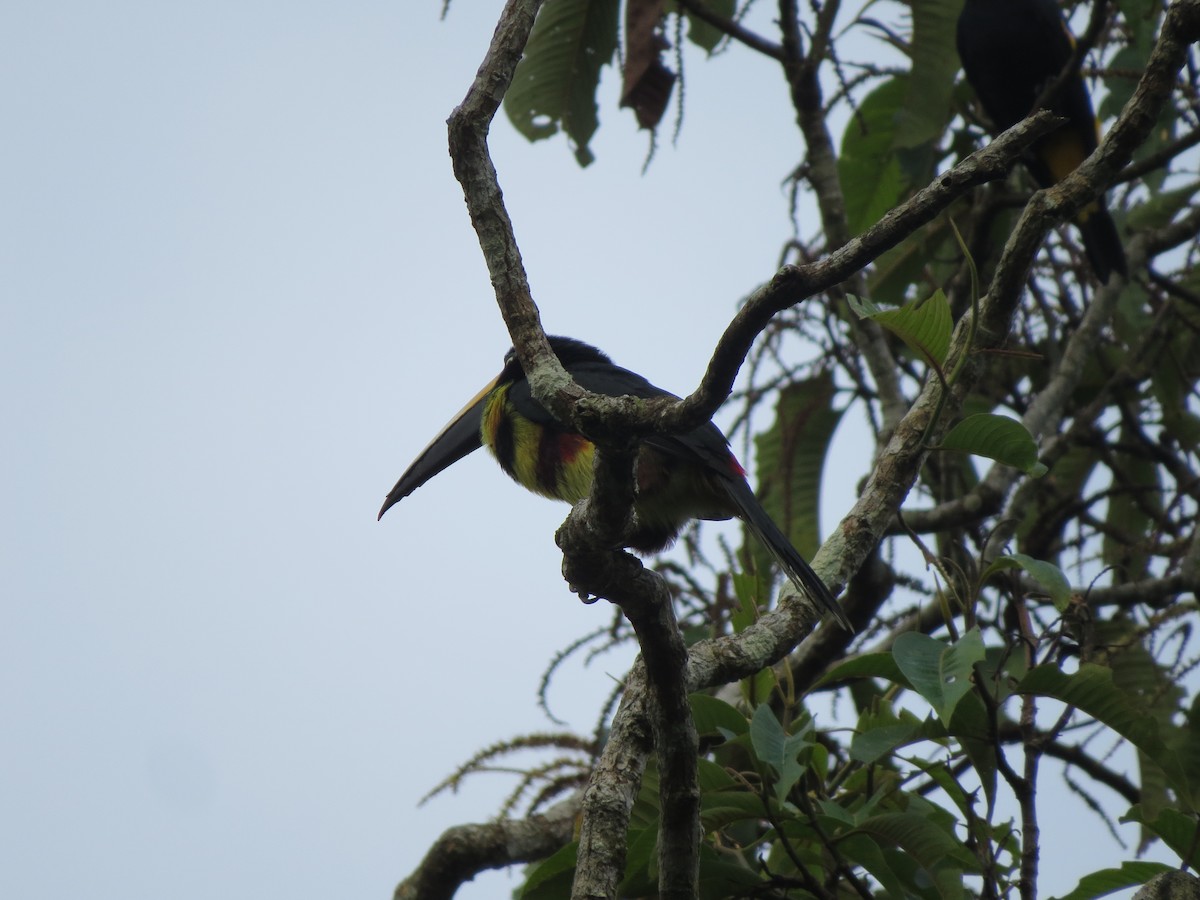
pixel 869 665
pixel 839 813
pixel 748 589
pixel 768 737
pixel 1000 670
pixel 924 326
pixel 818 760
pixel 1136 497
pixel 971 727
pixel 712 777
pixel 1092 690
pixel 803 849
pixel 1154 690
pixel 1065 480
pixel 551 878
pixel 1109 881
pixel 1133 57
pixel 935 849
pixel 1158 209
pixel 941 673
pixel 1048 575
pixel 719 809
pixel 712 714
pixel 881 740
pixel 881 731
pixel 997 437
pixel 706 36
pixel 555 82
pixel 745 591
pixel 641 860
pixel 720 878
pixel 791 458
pixel 1174 828
pixel 868 168
pixel 927 107
pixel 864 851
pixel 1142 17
pixel 757 688
pixel 929 255
pixel 1175 374
pixel 646 804
pixel 940 773
pixel 1187 744
pixel 778 749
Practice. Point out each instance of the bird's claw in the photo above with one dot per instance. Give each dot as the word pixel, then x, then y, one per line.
pixel 587 598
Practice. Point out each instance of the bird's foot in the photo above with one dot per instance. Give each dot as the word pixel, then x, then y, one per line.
pixel 583 595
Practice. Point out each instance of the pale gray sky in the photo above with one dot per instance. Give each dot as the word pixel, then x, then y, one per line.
pixel 240 292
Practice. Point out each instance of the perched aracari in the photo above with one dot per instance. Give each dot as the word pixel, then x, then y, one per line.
pixel 1011 50
pixel 679 477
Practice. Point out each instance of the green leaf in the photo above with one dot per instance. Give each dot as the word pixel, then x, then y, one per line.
pixel 971 727
pixel 1142 15
pixel 757 688
pixel 931 253
pixel 869 665
pixel 555 82
pixel 745 591
pixel 939 672
pixel 713 777
pixel 748 588
pixel 1109 881
pixel 1093 691
pixel 778 749
pixel 880 731
pixel 1175 373
pixel 1175 829
pixel 1001 668
pixel 1159 209
pixel 1046 574
pixel 868 167
pixel 551 878
pixel 1143 19
pixel 791 457
pixel 924 326
pixel 712 714
pixel 935 849
pixel 1070 473
pixel 1132 506
pixel 640 862
pixel 706 36
pixel 927 107
pixel 997 437
pixel 1187 745
pixel 940 773
pixel 864 851
pixel 1152 688
pixel 719 809
pixel 720 878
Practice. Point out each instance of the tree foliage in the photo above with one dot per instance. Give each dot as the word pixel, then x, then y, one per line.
pixel 1028 591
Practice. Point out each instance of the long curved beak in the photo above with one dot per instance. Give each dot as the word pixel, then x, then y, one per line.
pixel 456 440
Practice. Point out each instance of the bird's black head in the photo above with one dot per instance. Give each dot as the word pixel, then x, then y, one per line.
pixel 568 350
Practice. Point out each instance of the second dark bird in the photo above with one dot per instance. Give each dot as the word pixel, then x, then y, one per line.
pixel 1011 50
pixel 679 477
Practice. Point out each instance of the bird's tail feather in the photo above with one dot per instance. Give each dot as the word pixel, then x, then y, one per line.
pixel 1102 244
pixel 799 572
